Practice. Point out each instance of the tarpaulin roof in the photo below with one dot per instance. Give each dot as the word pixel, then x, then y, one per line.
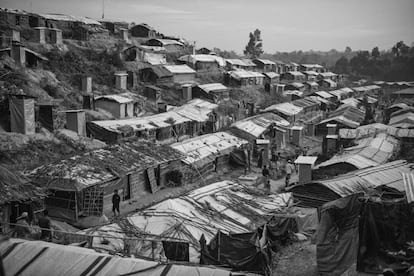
pixel 373 129
pixel 330 82
pixel 258 124
pixel 156 121
pixel 22 257
pixel 115 98
pixel 102 165
pixel 165 42
pixel 347 115
pixel 285 108
pixel 211 87
pixel 312 65
pixel 197 110
pixel 305 102
pixel 327 74
pixel 403 118
pixel 203 58
pixel 312 73
pixel 351 101
pixel 71 18
pixel 409 186
pixel 295 73
pixel 265 61
pixel 204 149
pixel 324 94
pixel 368 152
pixel 318 99
pixel 239 62
pixel 293 92
pixel 242 74
pixel 407 91
pixel 179 69
pixel 225 206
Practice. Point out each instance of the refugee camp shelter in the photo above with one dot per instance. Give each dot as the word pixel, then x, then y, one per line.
pixel 17 195
pixel 345 116
pixel 404 93
pixel 170 45
pixel 244 64
pixel 44 258
pixel 209 152
pixel 311 86
pixel 211 91
pixel 293 76
pixel 367 152
pixel 167 126
pixel 153 55
pixel 327 84
pixel 288 111
pixel 156 74
pixel 23 56
pixel 143 30
pixel 311 67
pixel 264 65
pixel 271 78
pixel 232 208
pixel 318 192
pixel 83 185
pixel 203 62
pixel 261 126
pixel 181 73
pixel 243 78
pixel 119 106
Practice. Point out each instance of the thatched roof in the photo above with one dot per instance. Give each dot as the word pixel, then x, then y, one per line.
pixel 14 187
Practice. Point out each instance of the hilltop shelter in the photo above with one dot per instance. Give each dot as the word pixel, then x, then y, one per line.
pixel 209 152
pixel 210 91
pixel 83 185
pixel 243 78
pixel 288 111
pixel 119 106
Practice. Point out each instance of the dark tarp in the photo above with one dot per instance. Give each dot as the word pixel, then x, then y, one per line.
pixel 238 157
pixel 46 116
pixel 337 235
pixel 176 251
pixel 22 115
pixel 385 228
pixel 102 134
pixel 238 251
pixel 279 231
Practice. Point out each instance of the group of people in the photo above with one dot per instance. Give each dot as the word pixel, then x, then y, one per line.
pixel 276 159
pixel 24 229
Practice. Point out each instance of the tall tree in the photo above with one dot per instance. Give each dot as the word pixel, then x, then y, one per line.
pixel 254 47
pixel 375 53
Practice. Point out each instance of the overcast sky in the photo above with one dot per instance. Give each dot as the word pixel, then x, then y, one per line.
pixel 285 25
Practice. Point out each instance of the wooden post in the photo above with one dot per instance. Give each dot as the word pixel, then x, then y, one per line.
pixel 76 206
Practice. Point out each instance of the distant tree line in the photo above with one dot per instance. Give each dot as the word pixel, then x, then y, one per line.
pixel 394 65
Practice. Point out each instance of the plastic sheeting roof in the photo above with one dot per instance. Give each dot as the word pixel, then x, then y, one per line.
pixel 72 18
pixel 312 65
pixel 328 74
pixel 266 61
pixel 225 206
pixel 179 69
pixel 324 94
pixel 368 152
pixel 242 74
pixel 330 82
pixel 116 98
pixel 271 75
pixel 351 101
pixel 196 110
pixel 406 118
pixel 389 174
pixel 211 87
pixel 312 73
pixel 203 58
pixel 258 124
pixel 24 257
pixel 285 108
pixel 409 186
pixel 295 73
pixel 202 150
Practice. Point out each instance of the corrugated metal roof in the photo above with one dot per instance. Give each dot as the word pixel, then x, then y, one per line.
pixel 285 108
pixel 197 110
pixel 403 118
pixel 242 74
pixel 265 61
pixel 179 69
pixel 116 98
pixel 389 174
pixel 204 149
pixel 324 94
pixel 271 74
pixel 72 18
pixel 409 186
pixel 203 58
pixel 211 87
pixel 258 124
pixel 368 152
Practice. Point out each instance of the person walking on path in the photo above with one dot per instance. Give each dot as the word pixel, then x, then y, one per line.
pixel 115 203
pixel 290 168
pixel 45 224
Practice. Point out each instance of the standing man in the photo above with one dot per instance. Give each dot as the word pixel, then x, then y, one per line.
pixel 45 224
pixel 115 202
pixel 289 170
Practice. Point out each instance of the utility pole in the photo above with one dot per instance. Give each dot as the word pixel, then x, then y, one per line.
pixel 103 9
